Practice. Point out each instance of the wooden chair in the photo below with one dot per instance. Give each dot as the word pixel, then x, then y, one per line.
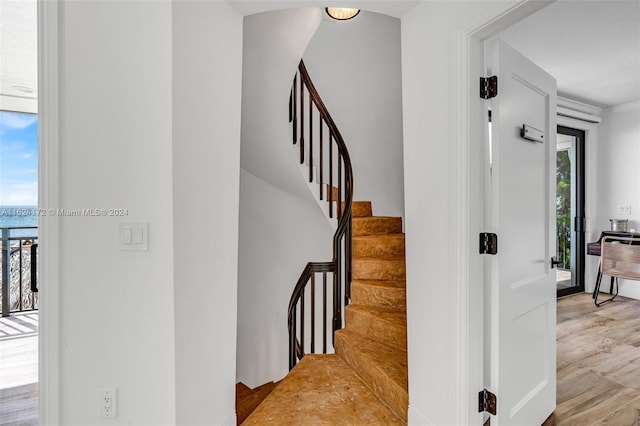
pixel 620 258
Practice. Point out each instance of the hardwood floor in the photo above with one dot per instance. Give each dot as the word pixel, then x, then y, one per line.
pixel 598 362
pixel 19 369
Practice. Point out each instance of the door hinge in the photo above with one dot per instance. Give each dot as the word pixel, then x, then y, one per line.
pixel 488 87
pixel 488 243
pixel 487 402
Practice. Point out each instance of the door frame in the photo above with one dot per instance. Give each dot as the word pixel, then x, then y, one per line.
pixel 48 226
pixel 470 52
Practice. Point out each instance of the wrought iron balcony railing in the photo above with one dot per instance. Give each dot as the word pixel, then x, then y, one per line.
pixel 18 269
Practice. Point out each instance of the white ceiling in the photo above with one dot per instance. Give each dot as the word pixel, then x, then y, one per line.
pixel 18 48
pixel 591 47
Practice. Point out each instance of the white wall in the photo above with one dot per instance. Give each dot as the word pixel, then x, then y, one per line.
pixel 150 122
pixel 355 65
pixel 618 173
pixel 273 45
pixel 207 64
pixel 116 310
pixel 279 234
pixel 427 219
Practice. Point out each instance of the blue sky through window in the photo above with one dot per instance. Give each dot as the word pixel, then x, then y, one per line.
pixel 18 159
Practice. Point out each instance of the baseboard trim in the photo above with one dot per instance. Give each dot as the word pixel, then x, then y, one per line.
pixel 417 418
pixel 628 288
pixel 231 420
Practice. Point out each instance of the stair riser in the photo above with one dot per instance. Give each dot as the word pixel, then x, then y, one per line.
pixel 376 328
pixel 333 194
pixel 384 297
pixel 378 269
pixel 385 388
pixel 378 246
pixel 376 225
pixel 360 209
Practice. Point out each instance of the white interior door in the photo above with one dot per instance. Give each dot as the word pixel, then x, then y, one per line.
pixel 522 213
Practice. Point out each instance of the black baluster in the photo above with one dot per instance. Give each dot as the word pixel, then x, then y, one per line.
pixel 313 313
pixel 310 139
pixel 330 173
pixel 295 110
pixel 321 155
pixel 324 312
pixel 302 121
pixel 339 203
pixel 302 322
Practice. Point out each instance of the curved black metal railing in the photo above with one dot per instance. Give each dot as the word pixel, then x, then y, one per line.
pixel 328 161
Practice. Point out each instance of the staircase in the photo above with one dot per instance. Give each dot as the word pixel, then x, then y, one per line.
pixel 374 340
pixel 365 380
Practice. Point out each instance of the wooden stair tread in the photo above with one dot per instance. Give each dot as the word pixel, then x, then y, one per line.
pixel 399 314
pixel 379 245
pixel 395 359
pixel 378 268
pixel 376 225
pixel 380 259
pixel 382 367
pixel 381 283
pixel 319 390
pixel 371 237
pixel 399 235
pixel 379 218
pixel 385 294
pixel 385 325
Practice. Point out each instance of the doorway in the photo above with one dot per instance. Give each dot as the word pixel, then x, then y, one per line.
pixel 570 210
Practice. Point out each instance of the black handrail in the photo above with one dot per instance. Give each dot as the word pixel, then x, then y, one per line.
pixel 340 265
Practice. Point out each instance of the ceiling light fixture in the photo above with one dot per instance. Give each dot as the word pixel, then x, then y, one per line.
pixel 342 13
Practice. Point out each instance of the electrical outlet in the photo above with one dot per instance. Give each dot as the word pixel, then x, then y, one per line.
pixel 624 210
pixel 107 403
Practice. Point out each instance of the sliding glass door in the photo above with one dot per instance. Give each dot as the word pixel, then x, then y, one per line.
pixel 570 241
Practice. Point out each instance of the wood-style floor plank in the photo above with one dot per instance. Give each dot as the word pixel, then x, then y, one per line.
pixel 19 369
pixel 598 362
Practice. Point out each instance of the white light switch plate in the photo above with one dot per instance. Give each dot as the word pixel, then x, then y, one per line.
pixel 133 236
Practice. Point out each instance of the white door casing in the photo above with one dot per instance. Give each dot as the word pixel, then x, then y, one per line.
pixel 522 212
